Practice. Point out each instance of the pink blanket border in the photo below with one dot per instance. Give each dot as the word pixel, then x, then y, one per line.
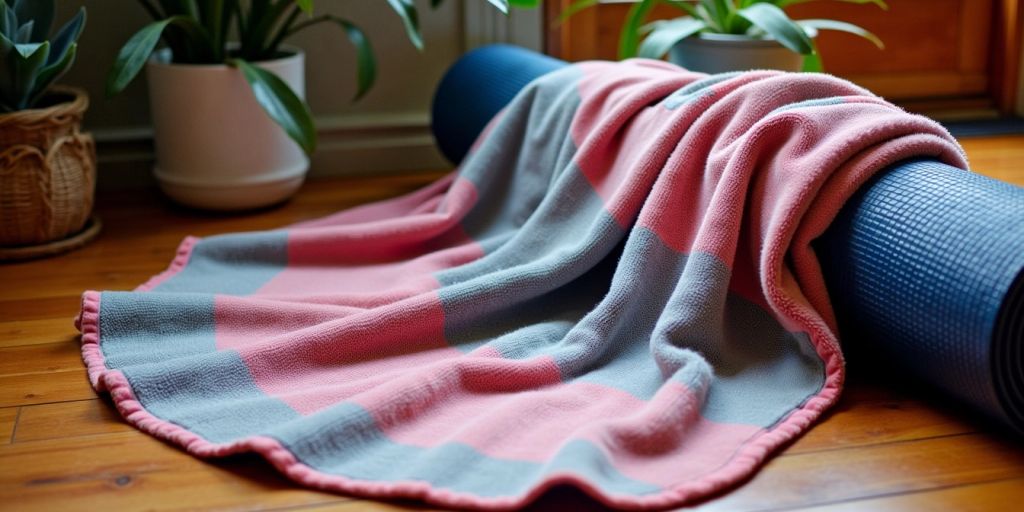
pixel 739 468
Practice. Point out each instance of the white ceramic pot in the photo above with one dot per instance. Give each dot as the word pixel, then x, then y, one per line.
pixel 720 53
pixel 216 148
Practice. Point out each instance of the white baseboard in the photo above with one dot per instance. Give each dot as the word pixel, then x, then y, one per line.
pixel 383 143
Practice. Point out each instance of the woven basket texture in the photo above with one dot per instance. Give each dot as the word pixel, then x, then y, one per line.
pixel 47 171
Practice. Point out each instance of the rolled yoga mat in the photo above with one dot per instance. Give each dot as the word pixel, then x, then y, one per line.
pixel 924 266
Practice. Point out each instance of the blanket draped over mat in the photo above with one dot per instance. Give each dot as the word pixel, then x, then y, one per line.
pixel 616 291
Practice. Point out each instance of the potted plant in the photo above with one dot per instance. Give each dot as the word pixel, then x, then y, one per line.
pixel 216 147
pixel 718 36
pixel 47 165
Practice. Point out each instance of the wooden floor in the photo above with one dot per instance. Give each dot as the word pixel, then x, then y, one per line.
pixel 885 446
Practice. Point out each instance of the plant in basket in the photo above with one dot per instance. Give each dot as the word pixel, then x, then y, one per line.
pixel 47 165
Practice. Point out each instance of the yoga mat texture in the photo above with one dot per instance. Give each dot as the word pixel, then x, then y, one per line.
pixel 924 266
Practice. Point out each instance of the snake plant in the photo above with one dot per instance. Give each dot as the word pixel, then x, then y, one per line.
pixel 755 18
pixel 197 32
pixel 31 59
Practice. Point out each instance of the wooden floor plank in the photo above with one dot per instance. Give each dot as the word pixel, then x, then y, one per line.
pixel 62 286
pixel 1005 495
pixel 132 471
pixel 41 358
pixel 41 388
pixel 868 413
pixel 18 309
pixel 63 420
pixel 998 157
pixel 8 418
pixel 18 333
pixel 791 481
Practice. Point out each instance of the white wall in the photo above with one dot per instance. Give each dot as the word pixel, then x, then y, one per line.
pixel 387 130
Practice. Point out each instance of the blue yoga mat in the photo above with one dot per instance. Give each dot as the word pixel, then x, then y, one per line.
pixel 925 265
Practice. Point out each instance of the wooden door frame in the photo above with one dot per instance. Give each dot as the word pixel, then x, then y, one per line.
pixel 1005 64
pixel 566 40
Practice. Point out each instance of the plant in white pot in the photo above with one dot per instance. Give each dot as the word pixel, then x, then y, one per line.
pixel 718 36
pixel 218 145
pixel 47 165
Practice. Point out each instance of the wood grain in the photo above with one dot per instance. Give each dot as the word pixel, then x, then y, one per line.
pixel 134 472
pixel 875 470
pixel 1001 158
pixel 883 447
pixel 15 333
pixel 8 418
pixel 964 49
pixel 885 414
pixel 18 309
pixel 80 418
pixel 42 358
pixel 999 495
pixel 42 388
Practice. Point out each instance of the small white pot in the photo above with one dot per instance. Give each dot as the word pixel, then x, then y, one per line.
pixel 720 53
pixel 216 148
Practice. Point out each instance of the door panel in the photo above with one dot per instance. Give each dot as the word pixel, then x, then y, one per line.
pixel 938 52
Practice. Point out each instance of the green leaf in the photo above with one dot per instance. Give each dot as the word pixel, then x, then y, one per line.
pixel 27 60
pixel 879 3
pixel 281 104
pixel 704 14
pixel 27 50
pixel 722 12
pixel 8 99
pixel 191 8
pixel 812 64
pixel 211 15
pixel 686 7
pixel 39 11
pixel 842 26
pixel 283 31
pixel 776 24
pixel 24 33
pixel 502 5
pixel 152 10
pixel 407 11
pixel 9 21
pixel 67 35
pixel 263 17
pixel 257 8
pixel 305 5
pixel 629 38
pixel 366 65
pixel 133 56
pixel 51 73
pixel 524 4
pixel 665 34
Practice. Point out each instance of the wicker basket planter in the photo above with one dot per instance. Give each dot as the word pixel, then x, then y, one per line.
pixel 47 171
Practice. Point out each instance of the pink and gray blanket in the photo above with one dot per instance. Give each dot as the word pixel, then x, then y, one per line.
pixel 616 291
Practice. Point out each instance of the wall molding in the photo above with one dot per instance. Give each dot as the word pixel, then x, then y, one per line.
pixel 374 144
